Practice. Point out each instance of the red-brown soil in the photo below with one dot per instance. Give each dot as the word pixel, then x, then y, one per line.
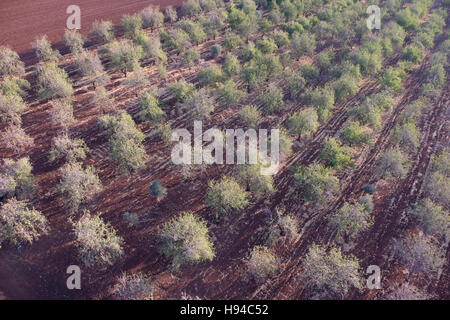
pixel 21 21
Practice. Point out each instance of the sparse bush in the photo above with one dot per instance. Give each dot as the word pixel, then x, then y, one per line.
pixel 44 50
pixel 272 99
pixel 296 83
pixel 181 90
pixel 171 14
pixel 185 240
pixel 97 242
pixel 69 149
pixel 350 220
pixel 303 44
pixel 137 79
pixel 369 188
pixel 285 143
pixel 232 41
pixel 345 87
pixel 414 53
pixel 393 163
pixel 78 185
pixel 266 45
pixel 90 65
pixel 61 113
pixel 157 190
pixel 433 218
pixel 133 287
pixel 216 50
pixel 194 30
pixel 330 274
pixel 250 115
pixel 10 63
pixel 229 93
pixel 11 106
pixel 226 195
pixel 149 108
pixel 191 57
pixel 419 254
pixel 18 224
pixel 125 141
pixel 176 39
pixel 407 291
pixel 152 49
pixel 354 134
pixel 201 103
pixel 14 86
pixel 406 136
pixel 74 40
pixel 304 122
pixel 315 182
pixel 325 58
pixel 310 73
pixel 102 99
pixel 103 29
pixel 190 8
pixel 322 100
pixel 131 24
pixel 124 55
pixel 261 263
pixel 53 82
pixel 152 17
pixel 16 178
pixel 210 76
pixel 231 65
pixel 367 203
pixel 249 175
pixel 17 139
pixel 335 154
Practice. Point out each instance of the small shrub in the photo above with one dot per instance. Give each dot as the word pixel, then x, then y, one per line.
pixel 304 122
pixel 261 263
pixel 157 190
pixel 210 76
pixel 433 218
pixel 124 55
pixel 231 65
pixel 68 149
pixel 272 99
pixel 303 44
pixel 181 90
pixel 230 94
pixel 53 82
pixel 131 24
pixel 16 178
pixel 44 50
pixel 249 175
pixel 201 103
pixel 19 224
pixel 14 86
pixel 97 242
pixel 17 139
pixel 74 40
pixel 133 287
pixel 149 108
pixel 335 154
pixel 61 113
pixel 350 220
pixel 191 58
pixel 152 17
pixel 367 203
pixel 226 195
pixel 216 50
pixel 185 240
pixel 250 115
pixel 103 29
pixel 11 107
pixel 393 164
pixel 10 63
pixel 369 188
pixel 171 14
pixel 354 135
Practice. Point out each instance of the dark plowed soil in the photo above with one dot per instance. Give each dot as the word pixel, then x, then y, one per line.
pixel 21 21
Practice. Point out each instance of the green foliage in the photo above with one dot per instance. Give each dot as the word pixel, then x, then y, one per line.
pixel 210 76
pixel 19 224
pixel 250 115
pixel 11 107
pixel 131 24
pixel 44 50
pixel 226 195
pixel 185 240
pixel 259 185
pixel 261 263
pixel 14 86
pixel 414 53
pixel 216 50
pixel 74 40
pixel 10 63
pixel 367 203
pixel 393 163
pixel 407 19
pixel 230 94
pixel 16 178
pixel 325 58
pixel 157 190
pixel 322 100
pixel 194 30
pixel 296 83
pixel 303 44
pixel 315 182
pixel 345 87
pixel 232 41
pixel 350 220
pixel 97 242
pixel 181 90
pixel 437 183
pixel 272 99
pixel 304 122
pixel 335 154
pixel 329 274
pixel 281 38
pixel 53 82
pixel 103 29
pixel 190 8
pixel 152 17
pixel 392 78
pixel 231 65
pixel 176 39
pixel 266 45
pixel 406 136
pixel 149 108
pixel 68 149
pixel 433 218
pixel 354 134
pixel 78 185
pixel 125 141
pixel 201 103
pixel 124 55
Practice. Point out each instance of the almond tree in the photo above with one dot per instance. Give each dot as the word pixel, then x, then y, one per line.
pixel 103 29
pixel 61 113
pixel 11 107
pixel 19 224
pixel 315 182
pixel 74 40
pixel 152 17
pixel 329 274
pixel 185 240
pixel 14 86
pixel 125 141
pixel 17 139
pixel 124 55
pixel 78 185
pixel 133 287
pixel 261 263
pixel 433 218
pixel 16 178
pixel 68 149
pixel 44 50
pixel 226 195
pixel 90 66
pixel 171 14
pixel 10 63
pixel 53 82
pixel 97 242
pixel 149 108
pixel 350 220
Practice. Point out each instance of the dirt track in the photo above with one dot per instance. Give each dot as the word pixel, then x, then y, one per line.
pixel 21 21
